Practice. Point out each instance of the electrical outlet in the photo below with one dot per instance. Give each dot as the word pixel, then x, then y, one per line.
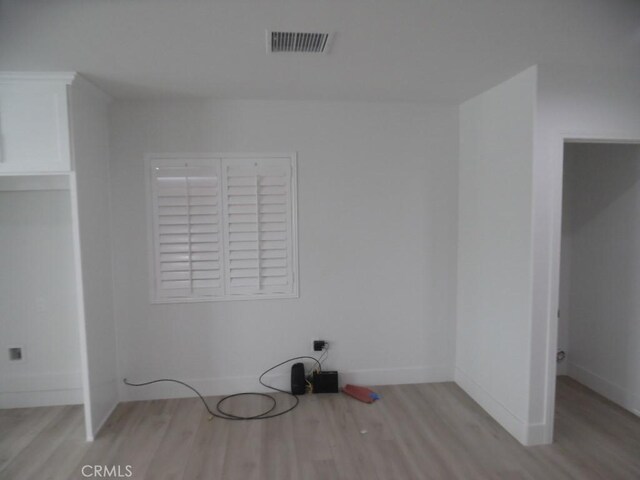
pixel 319 345
pixel 16 354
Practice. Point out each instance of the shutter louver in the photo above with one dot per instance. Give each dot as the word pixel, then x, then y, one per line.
pixel 258 226
pixel 186 224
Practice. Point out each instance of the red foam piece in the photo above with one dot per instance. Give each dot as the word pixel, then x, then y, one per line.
pixel 359 393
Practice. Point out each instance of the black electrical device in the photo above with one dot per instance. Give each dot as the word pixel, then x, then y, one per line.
pixel 298 385
pixel 325 382
pixel 319 345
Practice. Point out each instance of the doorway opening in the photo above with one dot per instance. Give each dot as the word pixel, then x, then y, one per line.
pixel 599 307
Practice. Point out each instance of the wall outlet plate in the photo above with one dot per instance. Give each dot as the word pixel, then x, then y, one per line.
pixel 16 353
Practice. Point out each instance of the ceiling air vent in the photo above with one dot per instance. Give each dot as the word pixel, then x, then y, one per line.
pixel 298 42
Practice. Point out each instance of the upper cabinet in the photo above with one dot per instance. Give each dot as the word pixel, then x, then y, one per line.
pixel 34 123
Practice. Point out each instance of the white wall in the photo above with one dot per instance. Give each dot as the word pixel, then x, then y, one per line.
pixel 89 111
pixel 377 229
pixel 37 300
pixel 602 185
pixel 494 245
pixel 574 103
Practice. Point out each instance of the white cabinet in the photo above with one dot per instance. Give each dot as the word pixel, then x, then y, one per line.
pixel 54 129
pixel 34 123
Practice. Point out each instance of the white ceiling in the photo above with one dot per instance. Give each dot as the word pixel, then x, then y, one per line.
pixel 410 50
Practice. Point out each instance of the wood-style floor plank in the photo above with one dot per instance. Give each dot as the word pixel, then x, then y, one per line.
pixel 426 431
pixel 141 443
pixel 171 457
pixel 22 426
pixel 62 463
pixel 206 459
pixel 31 459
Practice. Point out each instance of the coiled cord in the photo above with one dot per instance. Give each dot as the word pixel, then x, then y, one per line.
pixel 220 413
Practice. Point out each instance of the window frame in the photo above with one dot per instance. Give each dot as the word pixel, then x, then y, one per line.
pixel 149 213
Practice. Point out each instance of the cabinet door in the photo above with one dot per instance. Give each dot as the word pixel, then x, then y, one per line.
pixel 34 127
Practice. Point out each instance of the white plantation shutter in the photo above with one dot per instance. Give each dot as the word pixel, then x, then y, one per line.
pixel 258 236
pixel 186 224
pixel 223 228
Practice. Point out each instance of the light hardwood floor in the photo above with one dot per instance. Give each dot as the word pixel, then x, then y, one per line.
pixel 429 431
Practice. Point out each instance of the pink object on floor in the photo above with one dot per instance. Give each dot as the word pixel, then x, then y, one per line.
pixel 363 394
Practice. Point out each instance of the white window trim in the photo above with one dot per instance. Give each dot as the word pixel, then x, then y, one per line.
pixel 150 157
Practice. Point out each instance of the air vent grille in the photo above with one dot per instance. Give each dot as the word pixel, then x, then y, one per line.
pixel 298 42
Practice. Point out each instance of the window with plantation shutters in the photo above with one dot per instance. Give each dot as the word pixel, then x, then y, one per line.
pixel 257 223
pixel 186 224
pixel 222 228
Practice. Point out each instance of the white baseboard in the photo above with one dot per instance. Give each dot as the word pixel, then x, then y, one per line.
pixel 91 436
pixel 617 394
pixel 398 376
pixel 25 391
pixel 40 399
pixel 104 400
pixel 539 434
pixel 229 385
pixel 527 434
